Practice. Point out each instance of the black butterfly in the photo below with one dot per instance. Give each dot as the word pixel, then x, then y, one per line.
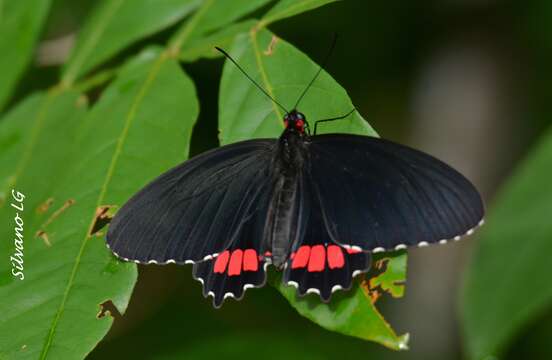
pixel 314 206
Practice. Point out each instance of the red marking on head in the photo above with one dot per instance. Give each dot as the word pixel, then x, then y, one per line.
pixel 301 257
pixel 353 251
pixel 300 125
pixel 221 261
pixel 317 258
pixel 336 259
pixel 268 253
pixel 250 262
pixel 235 266
pixel 286 123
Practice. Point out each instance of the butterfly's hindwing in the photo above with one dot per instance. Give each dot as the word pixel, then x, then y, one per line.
pixel 230 273
pixel 316 263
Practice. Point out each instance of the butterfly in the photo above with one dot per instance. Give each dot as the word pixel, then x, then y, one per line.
pixel 316 207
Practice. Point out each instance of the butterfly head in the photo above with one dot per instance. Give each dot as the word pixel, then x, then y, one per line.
pixel 295 121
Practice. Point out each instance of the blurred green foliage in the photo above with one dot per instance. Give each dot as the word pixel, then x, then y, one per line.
pixel 508 283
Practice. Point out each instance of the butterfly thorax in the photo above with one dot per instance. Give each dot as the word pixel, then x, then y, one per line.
pixel 281 218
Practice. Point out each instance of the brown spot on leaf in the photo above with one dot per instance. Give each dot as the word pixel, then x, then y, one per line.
pixel 107 307
pixel 271 46
pixel 101 219
pixel 42 234
pixel 56 213
pixel 42 208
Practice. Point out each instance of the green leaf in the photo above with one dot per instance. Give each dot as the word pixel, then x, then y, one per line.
pixel 289 8
pixel 20 25
pixel 119 146
pixel 508 284
pixel 213 14
pixel 284 72
pixel 15 131
pixel 115 24
pixel 245 112
pixel 351 313
pixel 204 47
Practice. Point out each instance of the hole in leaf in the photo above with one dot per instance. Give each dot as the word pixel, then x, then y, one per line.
pixel 379 282
pixel 108 308
pixel 102 218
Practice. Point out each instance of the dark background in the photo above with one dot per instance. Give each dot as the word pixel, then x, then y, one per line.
pixel 467 81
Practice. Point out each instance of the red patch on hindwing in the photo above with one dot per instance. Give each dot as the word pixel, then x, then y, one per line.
pixel 317 258
pixel 336 260
pixel 250 262
pixel 221 262
pixel 233 262
pixel 301 257
pixel 235 266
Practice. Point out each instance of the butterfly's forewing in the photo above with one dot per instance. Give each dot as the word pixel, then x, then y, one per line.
pixel 378 195
pixel 198 209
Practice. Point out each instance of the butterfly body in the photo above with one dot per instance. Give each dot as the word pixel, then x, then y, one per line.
pixel 290 158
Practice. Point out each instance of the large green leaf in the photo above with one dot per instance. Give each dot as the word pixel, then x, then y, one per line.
pixel 353 312
pixel 115 24
pixel 288 8
pixel 508 284
pixel 213 14
pixel 119 146
pixel 20 25
pixel 203 44
pixel 284 72
pixel 245 112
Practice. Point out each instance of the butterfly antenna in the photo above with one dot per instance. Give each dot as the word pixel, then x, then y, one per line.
pixel 251 79
pixel 334 40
